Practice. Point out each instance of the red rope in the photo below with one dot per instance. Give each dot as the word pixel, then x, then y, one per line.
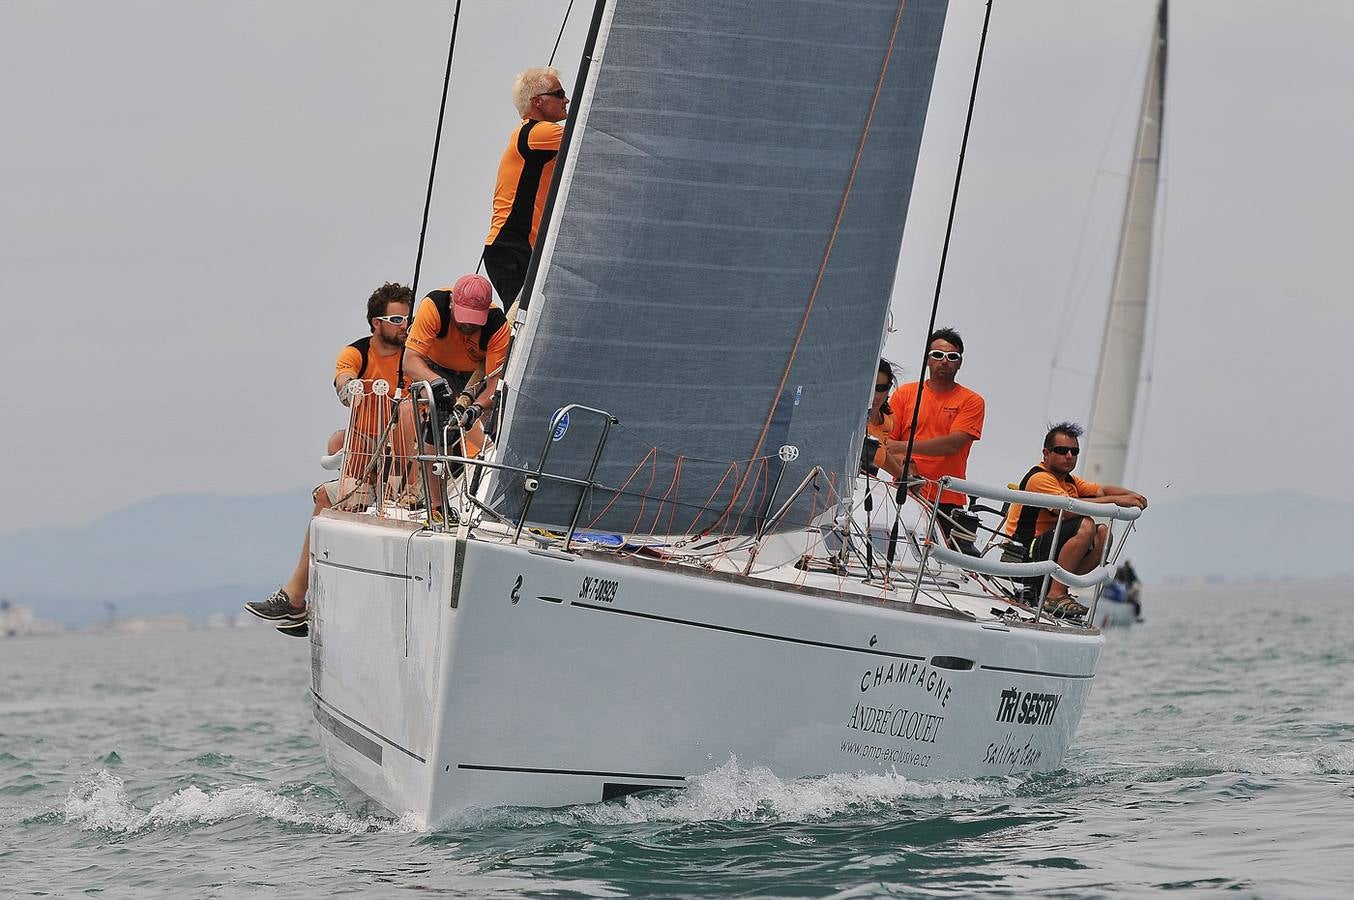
pixel 617 493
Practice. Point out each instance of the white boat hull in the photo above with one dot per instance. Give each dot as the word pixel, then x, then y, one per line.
pixel 454 675
pixel 1114 613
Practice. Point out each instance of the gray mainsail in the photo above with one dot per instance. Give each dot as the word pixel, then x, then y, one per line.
pixel 722 254
pixel 1120 368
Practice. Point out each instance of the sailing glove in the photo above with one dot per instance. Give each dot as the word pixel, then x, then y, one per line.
pixel 467 415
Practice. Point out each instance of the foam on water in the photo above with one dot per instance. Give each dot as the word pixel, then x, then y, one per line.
pixel 732 793
pixel 101 803
pixel 1321 762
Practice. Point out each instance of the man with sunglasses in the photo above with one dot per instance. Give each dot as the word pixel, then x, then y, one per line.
pixel 376 356
pixel 1081 542
pixel 949 421
pixel 524 174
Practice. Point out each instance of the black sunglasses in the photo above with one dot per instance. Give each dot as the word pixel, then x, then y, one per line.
pixel 1063 451
pixel 558 94
pixel 881 388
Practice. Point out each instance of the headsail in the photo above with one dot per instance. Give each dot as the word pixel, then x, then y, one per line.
pixel 723 250
pixel 1117 377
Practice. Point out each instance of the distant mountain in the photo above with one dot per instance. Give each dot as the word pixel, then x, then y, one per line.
pixel 190 553
pixel 201 553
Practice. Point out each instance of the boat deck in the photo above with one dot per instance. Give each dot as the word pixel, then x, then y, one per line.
pixel 942 590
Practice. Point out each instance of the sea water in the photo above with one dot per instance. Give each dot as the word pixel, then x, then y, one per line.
pixel 1216 753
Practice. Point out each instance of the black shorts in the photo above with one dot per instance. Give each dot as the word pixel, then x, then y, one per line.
pixel 1039 550
pixel 505 262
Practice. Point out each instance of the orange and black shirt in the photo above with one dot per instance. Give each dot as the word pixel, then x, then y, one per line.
pixel 360 360
pixel 435 336
pixel 524 175
pixel 1024 525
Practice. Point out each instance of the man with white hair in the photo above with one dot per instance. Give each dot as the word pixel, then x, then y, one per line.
pixel 524 175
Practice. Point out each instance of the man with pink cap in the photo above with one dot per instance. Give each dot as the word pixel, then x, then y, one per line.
pixel 458 334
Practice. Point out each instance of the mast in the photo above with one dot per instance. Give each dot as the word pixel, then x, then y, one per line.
pixel 1120 368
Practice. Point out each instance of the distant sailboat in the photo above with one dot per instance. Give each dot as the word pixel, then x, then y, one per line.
pixel 1121 350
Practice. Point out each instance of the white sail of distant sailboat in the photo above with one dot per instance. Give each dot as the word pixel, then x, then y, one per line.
pixel 1119 372
pixel 1121 352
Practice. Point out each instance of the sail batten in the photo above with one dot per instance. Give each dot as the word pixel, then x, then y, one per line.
pixel 711 227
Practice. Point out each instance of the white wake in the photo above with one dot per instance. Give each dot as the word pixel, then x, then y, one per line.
pixel 101 803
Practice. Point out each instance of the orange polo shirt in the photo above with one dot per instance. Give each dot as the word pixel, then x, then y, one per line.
pixel 1045 482
pixel 349 362
pixel 455 351
pixel 524 174
pixel 370 417
pixel 958 409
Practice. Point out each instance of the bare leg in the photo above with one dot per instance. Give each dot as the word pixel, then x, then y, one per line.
pixel 1073 553
pixel 299 582
pixel 1096 553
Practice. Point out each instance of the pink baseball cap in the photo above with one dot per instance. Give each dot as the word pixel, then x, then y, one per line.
pixel 472 296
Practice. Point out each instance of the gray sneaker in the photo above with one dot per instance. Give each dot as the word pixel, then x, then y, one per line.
pixel 277 608
pixel 295 629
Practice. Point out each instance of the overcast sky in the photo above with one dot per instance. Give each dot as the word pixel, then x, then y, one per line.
pixel 198 197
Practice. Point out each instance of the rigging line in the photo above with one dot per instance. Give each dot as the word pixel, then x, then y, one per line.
pixel 831 242
pixel 901 493
pixel 561 32
pixel 432 176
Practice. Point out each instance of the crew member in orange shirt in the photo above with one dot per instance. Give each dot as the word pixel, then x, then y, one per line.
pixel 880 422
pixel 1081 542
pixel 523 183
pixel 950 420
pixel 457 334
pixel 376 356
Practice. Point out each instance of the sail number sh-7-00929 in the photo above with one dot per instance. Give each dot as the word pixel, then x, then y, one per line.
pixel 598 590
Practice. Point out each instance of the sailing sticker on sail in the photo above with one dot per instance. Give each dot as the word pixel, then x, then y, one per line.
pixel 561 428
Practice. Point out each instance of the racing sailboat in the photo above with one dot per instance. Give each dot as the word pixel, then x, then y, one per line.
pixel 653 569
pixel 1119 371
